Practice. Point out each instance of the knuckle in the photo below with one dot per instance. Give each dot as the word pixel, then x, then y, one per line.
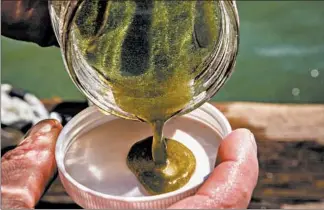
pixel 13 204
pixel 239 198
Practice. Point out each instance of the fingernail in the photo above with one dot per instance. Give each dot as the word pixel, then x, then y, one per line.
pixel 248 136
pixel 41 127
pixel 45 128
pixel 252 138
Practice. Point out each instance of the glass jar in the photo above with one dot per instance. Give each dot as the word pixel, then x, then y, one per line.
pixel 192 71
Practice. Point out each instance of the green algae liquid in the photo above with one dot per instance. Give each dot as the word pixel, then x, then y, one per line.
pixel 150 54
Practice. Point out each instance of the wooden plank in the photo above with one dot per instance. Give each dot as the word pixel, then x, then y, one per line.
pixel 311 205
pixel 285 122
pixel 51 102
pixel 290 173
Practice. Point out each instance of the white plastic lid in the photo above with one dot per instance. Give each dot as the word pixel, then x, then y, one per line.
pixel 91 156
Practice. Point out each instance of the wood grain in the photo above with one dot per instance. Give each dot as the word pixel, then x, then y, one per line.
pixel 284 122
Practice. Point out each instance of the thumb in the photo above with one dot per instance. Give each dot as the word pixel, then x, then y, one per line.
pixel 232 182
pixel 27 169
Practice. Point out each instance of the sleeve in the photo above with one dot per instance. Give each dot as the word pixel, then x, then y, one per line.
pixel 27 20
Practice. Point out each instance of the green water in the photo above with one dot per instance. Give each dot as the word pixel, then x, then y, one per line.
pixel 281 53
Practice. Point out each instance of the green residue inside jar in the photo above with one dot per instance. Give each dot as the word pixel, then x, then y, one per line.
pixel 149 53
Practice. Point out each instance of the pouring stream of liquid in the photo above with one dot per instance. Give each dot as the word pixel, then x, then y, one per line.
pixel 159 153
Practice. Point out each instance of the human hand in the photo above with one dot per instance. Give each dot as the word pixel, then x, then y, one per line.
pixel 27 20
pixel 233 180
pixel 28 169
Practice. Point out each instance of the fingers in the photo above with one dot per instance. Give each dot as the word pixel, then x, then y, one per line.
pixel 232 182
pixel 27 169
